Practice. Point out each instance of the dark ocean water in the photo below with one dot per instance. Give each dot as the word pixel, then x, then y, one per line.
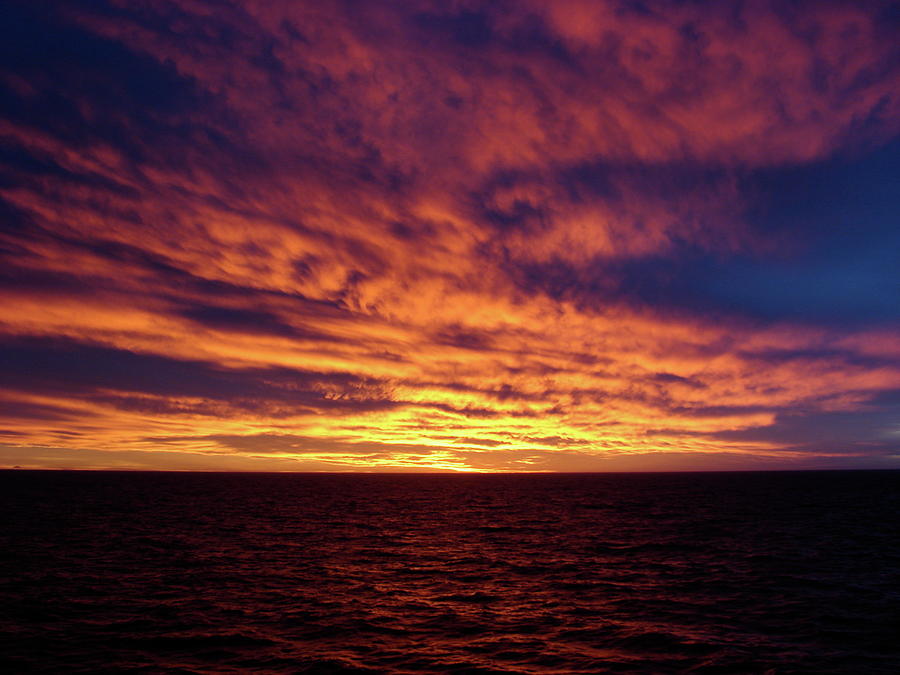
pixel 222 573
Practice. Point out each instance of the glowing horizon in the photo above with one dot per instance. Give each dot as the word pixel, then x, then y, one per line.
pixel 473 236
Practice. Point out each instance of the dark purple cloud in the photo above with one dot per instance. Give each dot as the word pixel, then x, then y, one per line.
pixel 511 235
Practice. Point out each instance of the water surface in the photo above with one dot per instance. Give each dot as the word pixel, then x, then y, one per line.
pixel 218 573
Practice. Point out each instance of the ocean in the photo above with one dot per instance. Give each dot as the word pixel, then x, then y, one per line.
pixel 559 573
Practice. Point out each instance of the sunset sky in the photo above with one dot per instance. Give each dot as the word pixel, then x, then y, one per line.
pixel 530 235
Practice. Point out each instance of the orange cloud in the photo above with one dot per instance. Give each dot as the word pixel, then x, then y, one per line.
pixel 400 236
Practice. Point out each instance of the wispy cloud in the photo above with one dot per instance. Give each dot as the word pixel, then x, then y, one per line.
pixel 475 235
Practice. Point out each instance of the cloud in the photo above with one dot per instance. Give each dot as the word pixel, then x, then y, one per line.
pixel 448 236
pixel 870 430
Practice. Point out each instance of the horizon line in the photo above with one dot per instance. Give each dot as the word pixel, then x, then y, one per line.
pixel 17 469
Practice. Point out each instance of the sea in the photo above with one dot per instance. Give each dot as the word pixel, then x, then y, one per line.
pixel 144 572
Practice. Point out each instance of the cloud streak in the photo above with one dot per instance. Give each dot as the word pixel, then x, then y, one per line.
pixel 489 236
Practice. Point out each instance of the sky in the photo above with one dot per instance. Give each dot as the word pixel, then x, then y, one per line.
pixel 455 235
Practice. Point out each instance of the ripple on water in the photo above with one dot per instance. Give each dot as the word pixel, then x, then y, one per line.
pixel 711 573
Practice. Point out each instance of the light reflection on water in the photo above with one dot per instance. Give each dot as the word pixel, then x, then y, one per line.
pixel 491 573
